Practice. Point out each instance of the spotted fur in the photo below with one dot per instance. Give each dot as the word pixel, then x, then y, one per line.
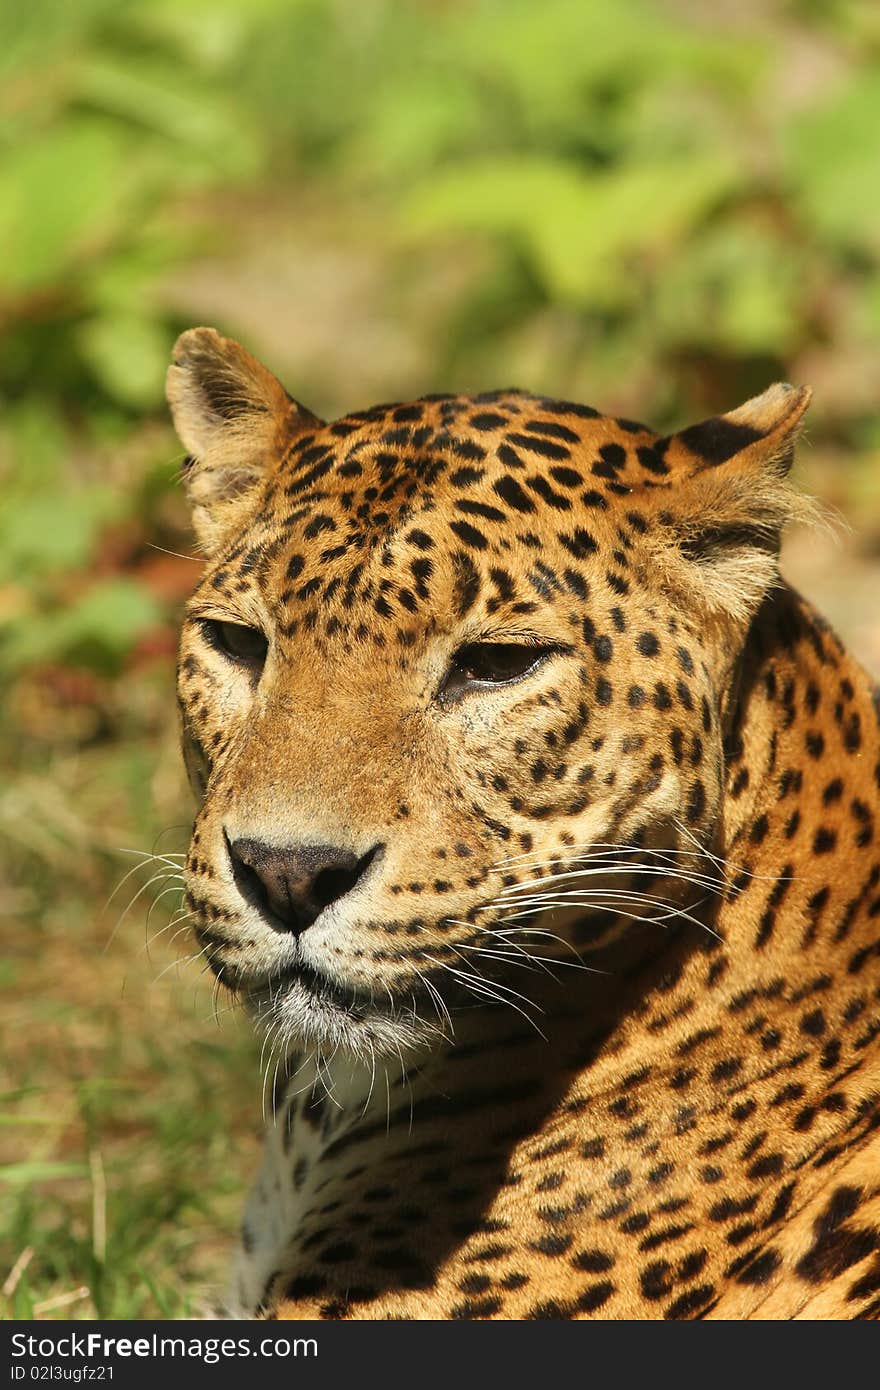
pixel 592 1030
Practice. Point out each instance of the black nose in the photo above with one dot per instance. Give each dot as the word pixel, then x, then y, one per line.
pixel 295 882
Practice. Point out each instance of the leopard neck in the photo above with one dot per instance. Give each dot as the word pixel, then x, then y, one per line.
pixel 801 819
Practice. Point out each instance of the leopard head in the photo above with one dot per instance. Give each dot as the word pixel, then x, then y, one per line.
pixel 449 663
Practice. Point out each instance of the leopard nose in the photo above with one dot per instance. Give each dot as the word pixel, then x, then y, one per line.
pixel 295 882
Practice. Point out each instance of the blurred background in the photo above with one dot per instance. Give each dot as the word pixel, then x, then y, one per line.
pixel 654 206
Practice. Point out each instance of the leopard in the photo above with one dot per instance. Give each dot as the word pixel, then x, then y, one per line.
pixel 536 831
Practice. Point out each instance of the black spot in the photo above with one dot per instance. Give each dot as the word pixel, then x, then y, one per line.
pixel 319 523
pixel 824 840
pixel 690 1302
pixel 651 460
pixel 655 1280
pixel 767 1167
pixel 475 1283
pixel 593 1148
pixel 420 539
pixel 480 509
pixel 603 648
pixel 551 1309
pixel 613 454
pixel 509 490
pixel 556 500
pixel 476 1308
pixel 852 738
pixel 554 429
pixel 593 1261
pixel 509 456
pixel 554 407
pixel 579 543
pixel 718 439
pixel 465 477
pixel 696 802
pixel 576 583
pixel 837 1246
pixel 814 1023
pixel 552 1244
pixel 596 1296
pixel 539 446
pixel 469 535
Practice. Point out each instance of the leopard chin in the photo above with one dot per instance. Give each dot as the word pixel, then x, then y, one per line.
pixel 304 1009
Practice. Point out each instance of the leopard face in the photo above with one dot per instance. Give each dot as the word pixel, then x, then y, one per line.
pixel 447 660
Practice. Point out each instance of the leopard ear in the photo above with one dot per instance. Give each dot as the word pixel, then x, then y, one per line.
pixel 761 433
pixel 728 500
pixel 234 418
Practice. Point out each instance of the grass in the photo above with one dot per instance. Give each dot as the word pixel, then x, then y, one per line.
pixel 128 1119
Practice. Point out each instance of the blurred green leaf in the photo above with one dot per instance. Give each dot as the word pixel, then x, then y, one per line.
pixel 33 444
pixel 49 533
pixel 740 289
pixel 25 1174
pixel 418 119
pixel 26 1121
pixel 202 124
pixel 834 160
pixel 209 33
pixel 62 197
pixel 34 33
pixel 129 354
pixel 581 230
pixel 552 55
pixel 97 629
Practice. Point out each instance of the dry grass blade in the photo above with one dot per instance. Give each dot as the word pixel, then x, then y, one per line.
pixel 13 1278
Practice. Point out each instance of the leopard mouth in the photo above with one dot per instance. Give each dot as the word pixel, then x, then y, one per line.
pixel 298 976
pixel 300 1006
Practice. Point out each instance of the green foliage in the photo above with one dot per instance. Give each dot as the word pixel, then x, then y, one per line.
pixel 97 629
pixel 622 154
pixel 579 230
pixel 617 149
pixel 834 164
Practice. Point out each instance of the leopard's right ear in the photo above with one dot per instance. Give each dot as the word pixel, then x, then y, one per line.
pixel 235 419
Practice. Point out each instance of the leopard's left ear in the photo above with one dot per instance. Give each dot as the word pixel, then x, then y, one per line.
pixel 234 418
pixel 722 514
pixel 762 433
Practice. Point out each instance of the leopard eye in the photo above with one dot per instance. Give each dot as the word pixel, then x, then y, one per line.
pixel 245 645
pixel 483 665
